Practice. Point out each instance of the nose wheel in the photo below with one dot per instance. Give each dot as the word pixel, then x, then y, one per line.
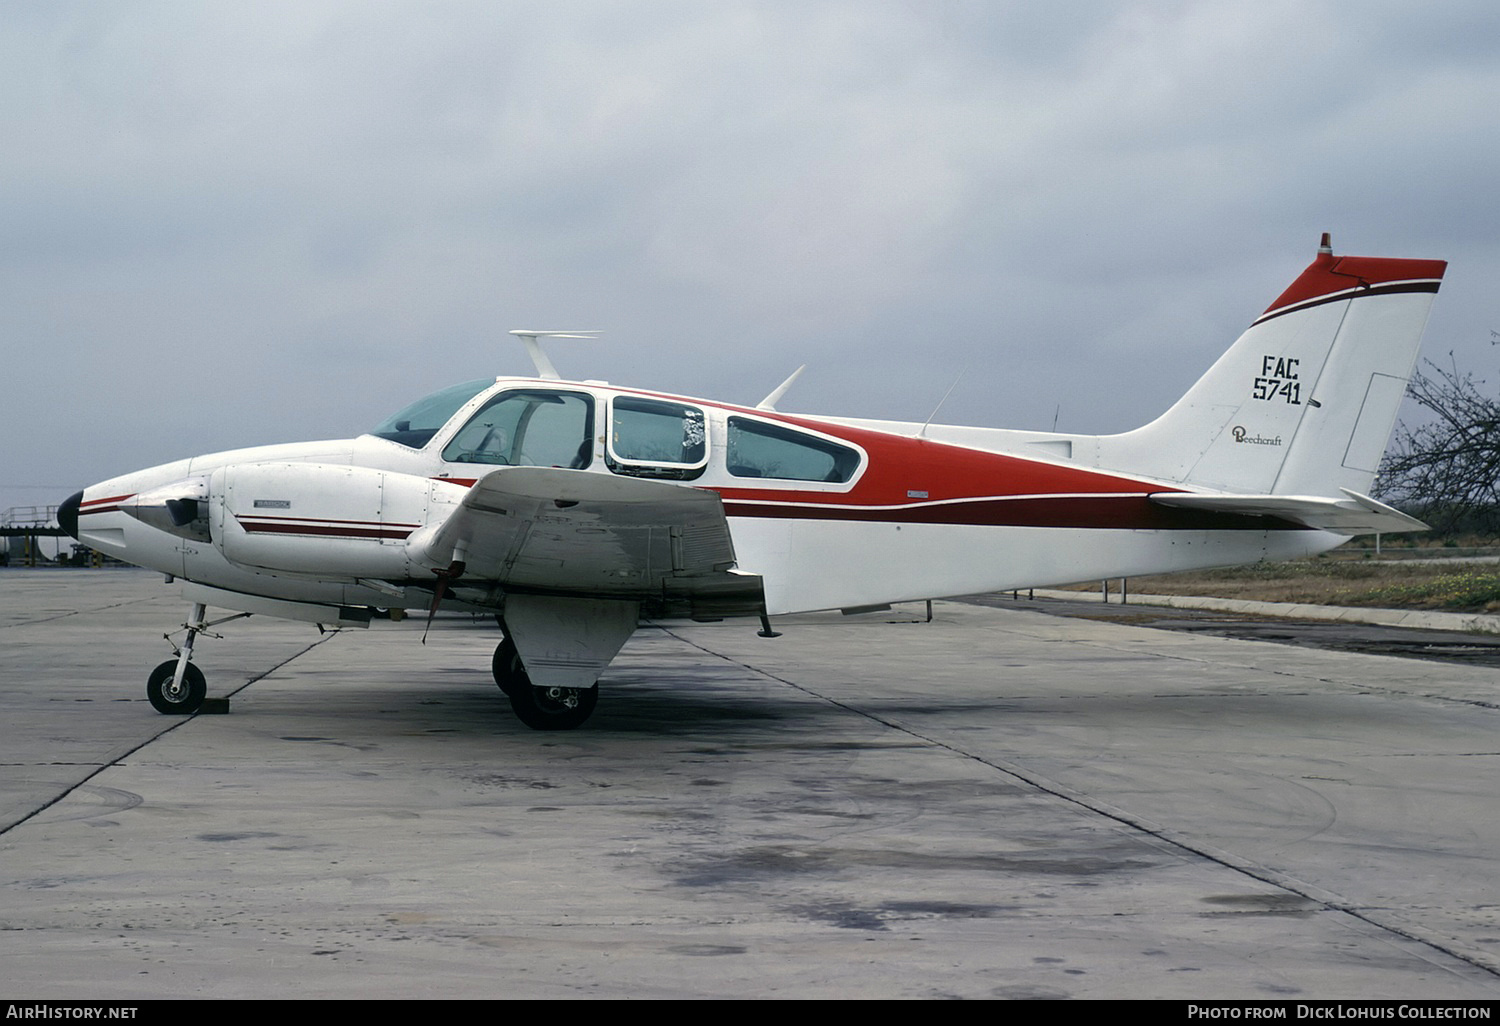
pixel 175 697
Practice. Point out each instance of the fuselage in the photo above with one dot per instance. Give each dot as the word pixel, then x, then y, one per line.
pixel 829 513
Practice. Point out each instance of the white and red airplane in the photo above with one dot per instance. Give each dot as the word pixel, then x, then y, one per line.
pixel 573 509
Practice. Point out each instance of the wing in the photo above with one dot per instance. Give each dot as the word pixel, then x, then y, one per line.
pixel 1355 514
pixel 553 531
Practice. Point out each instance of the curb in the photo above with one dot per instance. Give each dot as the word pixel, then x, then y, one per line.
pixel 1481 623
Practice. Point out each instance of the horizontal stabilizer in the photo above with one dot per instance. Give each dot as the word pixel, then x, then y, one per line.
pixel 1356 514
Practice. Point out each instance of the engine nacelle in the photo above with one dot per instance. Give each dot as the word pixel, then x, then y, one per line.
pixel 323 520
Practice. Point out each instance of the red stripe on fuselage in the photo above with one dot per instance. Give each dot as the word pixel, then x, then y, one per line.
pixel 263 518
pixel 912 471
pixel 324 530
pixel 107 504
pixel 920 481
pixel 325 527
pixel 1095 512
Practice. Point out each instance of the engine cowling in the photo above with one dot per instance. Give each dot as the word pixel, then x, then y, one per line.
pixel 323 520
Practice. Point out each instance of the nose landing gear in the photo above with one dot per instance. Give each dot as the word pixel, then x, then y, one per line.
pixel 174 695
pixel 177 687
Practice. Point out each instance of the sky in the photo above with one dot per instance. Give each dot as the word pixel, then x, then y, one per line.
pixel 227 224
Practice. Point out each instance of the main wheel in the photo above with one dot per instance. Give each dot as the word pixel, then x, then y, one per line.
pixel 178 701
pixel 507 668
pixel 554 708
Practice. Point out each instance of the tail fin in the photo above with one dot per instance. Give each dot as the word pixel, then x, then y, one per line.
pixel 1304 402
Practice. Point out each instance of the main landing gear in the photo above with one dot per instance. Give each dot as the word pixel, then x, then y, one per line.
pixel 538 707
pixel 177 687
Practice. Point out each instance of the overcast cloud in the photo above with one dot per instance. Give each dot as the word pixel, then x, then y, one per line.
pixel 223 224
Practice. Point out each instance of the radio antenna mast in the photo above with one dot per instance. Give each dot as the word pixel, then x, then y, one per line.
pixel 544 368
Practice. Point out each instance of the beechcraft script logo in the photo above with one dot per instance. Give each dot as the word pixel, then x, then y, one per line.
pixel 1244 437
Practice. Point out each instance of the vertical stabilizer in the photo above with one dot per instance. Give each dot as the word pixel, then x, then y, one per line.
pixel 1304 402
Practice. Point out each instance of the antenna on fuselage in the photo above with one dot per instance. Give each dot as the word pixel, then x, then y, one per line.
pixel 928 422
pixel 544 368
pixel 770 401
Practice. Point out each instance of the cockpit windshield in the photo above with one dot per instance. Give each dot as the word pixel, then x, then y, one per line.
pixel 415 425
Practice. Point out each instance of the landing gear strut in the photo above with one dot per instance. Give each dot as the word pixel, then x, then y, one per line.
pixel 540 708
pixel 177 687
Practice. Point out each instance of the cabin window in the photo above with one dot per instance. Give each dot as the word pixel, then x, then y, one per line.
pixel 759 449
pixel 653 438
pixel 528 428
pixel 415 425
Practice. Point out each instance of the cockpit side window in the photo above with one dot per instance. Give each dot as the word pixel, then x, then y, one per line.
pixel 654 438
pixel 760 449
pixel 528 428
pixel 415 425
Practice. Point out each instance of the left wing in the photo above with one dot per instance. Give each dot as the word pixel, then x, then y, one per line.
pixel 1355 514
pixel 554 531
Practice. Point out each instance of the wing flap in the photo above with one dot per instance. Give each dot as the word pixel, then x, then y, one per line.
pixel 1354 514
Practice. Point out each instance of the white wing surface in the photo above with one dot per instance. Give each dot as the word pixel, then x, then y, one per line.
pixel 571 532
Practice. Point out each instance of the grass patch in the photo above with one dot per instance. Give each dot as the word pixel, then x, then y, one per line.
pixel 1475 589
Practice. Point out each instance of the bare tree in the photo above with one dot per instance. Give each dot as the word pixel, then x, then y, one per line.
pixel 1447 469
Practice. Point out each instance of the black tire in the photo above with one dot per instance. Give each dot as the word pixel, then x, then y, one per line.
pixel 507 668
pixel 554 708
pixel 194 689
pixel 540 708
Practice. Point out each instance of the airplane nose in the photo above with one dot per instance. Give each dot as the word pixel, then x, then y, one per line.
pixel 67 513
